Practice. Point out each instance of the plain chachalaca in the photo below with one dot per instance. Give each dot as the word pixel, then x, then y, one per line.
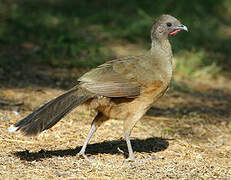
pixel 123 88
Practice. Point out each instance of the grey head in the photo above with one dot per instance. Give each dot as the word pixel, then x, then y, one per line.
pixel 165 26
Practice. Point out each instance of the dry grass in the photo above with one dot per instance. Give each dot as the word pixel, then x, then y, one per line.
pixel 187 134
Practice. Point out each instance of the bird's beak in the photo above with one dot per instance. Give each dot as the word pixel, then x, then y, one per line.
pixel 180 27
pixel 177 29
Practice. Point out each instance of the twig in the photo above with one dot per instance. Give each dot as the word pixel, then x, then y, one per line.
pixel 8 103
pixel 15 140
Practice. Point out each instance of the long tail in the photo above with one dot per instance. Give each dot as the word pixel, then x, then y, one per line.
pixel 50 113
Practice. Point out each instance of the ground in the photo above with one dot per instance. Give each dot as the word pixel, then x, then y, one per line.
pixel 187 134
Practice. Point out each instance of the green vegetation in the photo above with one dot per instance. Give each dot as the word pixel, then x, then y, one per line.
pixel 76 33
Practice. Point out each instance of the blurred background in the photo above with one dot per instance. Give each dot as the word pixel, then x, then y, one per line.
pixel 43 35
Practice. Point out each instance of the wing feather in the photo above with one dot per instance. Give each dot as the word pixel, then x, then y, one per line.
pixel 114 89
pixel 117 78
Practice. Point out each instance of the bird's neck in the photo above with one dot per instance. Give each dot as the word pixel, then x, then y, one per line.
pixel 162 47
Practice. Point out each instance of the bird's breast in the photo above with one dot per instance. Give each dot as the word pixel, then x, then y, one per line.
pixel 155 69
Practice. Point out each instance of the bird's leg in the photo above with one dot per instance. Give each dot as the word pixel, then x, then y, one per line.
pixel 98 120
pixel 129 123
pixel 83 149
pixel 131 156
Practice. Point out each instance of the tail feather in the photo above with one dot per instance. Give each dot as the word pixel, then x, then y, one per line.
pixel 50 113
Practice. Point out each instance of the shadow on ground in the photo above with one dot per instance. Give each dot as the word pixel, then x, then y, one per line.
pixel 38 76
pixel 107 147
pixel 214 102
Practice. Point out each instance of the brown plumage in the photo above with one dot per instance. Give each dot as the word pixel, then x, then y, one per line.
pixel 123 89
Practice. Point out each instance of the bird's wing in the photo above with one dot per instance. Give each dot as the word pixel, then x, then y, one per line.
pixel 117 78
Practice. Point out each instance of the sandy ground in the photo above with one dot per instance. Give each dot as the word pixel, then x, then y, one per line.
pixel 187 134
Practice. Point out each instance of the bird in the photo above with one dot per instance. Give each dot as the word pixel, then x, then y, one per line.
pixel 123 88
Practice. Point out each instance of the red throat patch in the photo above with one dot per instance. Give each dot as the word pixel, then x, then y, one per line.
pixel 174 32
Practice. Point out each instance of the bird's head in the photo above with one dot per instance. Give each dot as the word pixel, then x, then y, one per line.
pixel 166 26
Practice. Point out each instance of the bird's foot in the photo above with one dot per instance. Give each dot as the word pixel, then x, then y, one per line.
pixel 83 155
pixel 133 159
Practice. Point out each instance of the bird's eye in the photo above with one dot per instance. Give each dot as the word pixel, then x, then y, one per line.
pixel 169 24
